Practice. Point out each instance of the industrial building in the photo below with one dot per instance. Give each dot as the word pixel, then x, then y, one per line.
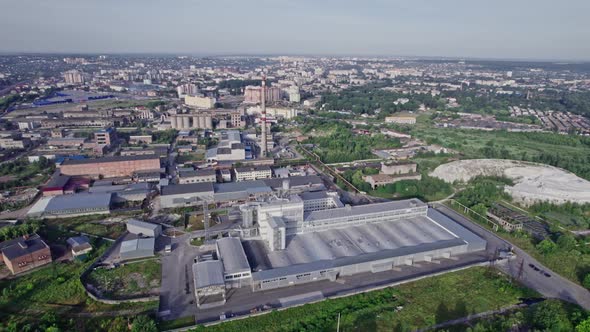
pixel 71 205
pixel 196 176
pixel 135 248
pixel 252 173
pixel 297 246
pixel 143 228
pixel 229 148
pixel 178 195
pixel 191 121
pixel 118 166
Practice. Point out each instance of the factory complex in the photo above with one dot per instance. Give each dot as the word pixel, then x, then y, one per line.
pixel 297 243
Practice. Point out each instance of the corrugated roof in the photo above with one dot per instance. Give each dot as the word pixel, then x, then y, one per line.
pixel 142 224
pixel 232 255
pixel 362 209
pixel 208 273
pixel 78 201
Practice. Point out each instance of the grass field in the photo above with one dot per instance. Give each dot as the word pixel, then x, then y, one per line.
pixel 129 280
pixel 91 225
pixel 55 291
pixel 406 307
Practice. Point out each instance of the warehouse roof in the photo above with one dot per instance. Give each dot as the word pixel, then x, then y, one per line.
pixel 294 181
pixel 142 224
pixel 79 201
pixel 208 273
pixel 309 195
pixel 139 244
pixel 362 209
pixel 109 159
pixel 57 181
pixel 179 189
pixel 232 255
pixel 249 186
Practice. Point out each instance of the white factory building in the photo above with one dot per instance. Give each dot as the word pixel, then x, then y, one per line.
pixel 300 243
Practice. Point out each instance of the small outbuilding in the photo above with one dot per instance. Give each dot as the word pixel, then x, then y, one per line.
pixel 143 228
pixel 137 248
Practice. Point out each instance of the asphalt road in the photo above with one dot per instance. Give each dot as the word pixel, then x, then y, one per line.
pixel 177 287
pixel 554 286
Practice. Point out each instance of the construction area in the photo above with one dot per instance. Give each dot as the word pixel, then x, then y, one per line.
pixel 532 182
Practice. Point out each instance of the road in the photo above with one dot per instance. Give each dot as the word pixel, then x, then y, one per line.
pixel 554 286
pixel 177 288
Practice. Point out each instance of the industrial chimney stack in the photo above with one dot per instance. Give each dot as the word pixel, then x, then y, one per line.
pixel 263 107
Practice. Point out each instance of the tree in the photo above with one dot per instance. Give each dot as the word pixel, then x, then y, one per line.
pixel 546 247
pixel 586 282
pixel 550 315
pixel 584 326
pixel 144 324
pixel 566 241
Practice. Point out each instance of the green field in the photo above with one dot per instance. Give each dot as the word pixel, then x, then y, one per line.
pixel 404 308
pixel 54 296
pixel 88 224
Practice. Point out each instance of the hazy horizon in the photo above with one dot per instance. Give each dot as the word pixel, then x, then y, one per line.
pixel 503 30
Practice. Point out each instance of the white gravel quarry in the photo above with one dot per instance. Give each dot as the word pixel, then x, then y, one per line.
pixel 532 182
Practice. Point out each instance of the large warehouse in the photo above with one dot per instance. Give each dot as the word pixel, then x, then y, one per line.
pixel 297 246
pixel 110 166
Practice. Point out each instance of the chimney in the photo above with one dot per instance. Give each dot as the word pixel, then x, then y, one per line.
pixel 263 119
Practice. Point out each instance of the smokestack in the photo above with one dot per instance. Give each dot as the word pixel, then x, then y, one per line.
pixel 263 107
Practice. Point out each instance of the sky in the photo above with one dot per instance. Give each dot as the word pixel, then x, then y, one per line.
pixel 506 29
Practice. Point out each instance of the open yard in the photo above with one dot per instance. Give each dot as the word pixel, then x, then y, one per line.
pixel 129 280
pixel 404 308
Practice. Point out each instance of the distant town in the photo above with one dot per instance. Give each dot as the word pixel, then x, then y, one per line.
pixel 205 190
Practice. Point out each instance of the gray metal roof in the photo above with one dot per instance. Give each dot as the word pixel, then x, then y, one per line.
pixel 348 211
pixel 139 244
pixel 78 241
pixel 179 189
pixel 309 195
pixel 208 273
pixel 256 186
pixel 474 241
pixel 78 201
pixel 294 181
pixel 232 255
pixel 142 224
pixel 344 261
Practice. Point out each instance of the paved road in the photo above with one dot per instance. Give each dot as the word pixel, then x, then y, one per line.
pixel 552 287
pixel 176 291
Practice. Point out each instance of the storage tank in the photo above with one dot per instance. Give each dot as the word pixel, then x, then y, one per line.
pixel 186 122
pixel 247 215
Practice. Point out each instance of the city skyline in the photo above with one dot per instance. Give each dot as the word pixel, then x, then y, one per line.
pixel 527 30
